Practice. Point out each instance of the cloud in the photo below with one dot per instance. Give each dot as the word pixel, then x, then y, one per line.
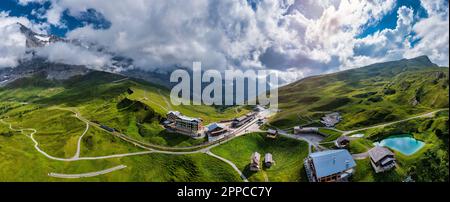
pixel 433 33
pixel 74 55
pixel 387 44
pixel 306 37
pixel 13 43
pixel 26 2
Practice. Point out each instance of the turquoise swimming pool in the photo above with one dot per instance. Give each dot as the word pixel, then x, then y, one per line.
pixel 405 144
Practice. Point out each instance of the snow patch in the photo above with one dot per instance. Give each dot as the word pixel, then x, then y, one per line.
pixel 42 38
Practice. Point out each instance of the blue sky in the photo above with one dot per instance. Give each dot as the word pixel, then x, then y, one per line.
pixel 297 38
pixel 389 21
pixel 89 17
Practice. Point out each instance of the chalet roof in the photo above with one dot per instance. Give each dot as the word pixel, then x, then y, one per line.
pixel 190 119
pixel 241 118
pixel 330 162
pixel 307 129
pixel 272 131
pixel 377 153
pixel 268 157
pixel 214 126
pixel 255 158
pixel 176 113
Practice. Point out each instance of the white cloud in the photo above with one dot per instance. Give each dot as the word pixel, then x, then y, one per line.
pixel 433 33
pixel 53 15
pixel 12 43
pixel 26 2
pixel 302 36
pixel 74 55
pixel 387 44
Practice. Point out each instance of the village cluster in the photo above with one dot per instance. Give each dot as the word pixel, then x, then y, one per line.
pixel 193 127
pixel 336 165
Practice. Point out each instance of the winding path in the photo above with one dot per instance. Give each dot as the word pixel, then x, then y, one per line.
pixel 202 149
pixel 229 163
pixel 90 174
pixel 77 153
pixel 36 143
pixel 195 149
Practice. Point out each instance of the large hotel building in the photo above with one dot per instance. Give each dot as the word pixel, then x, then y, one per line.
pixel 184 124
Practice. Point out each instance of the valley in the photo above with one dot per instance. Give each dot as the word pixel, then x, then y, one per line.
pixel 59 129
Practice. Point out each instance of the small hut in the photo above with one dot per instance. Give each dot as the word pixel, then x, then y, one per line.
pixel 382 159
pixel 255 162
pixel 271 133
pixel 268 160
pixel 342 142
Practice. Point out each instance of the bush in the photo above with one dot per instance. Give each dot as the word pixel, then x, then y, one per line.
pixel 431 167
pixel 7 134
pixel 377 98
pixel 389 91
pixel 365 95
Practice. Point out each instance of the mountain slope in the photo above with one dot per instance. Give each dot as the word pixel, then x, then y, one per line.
pixel 365 96
pixel 130 105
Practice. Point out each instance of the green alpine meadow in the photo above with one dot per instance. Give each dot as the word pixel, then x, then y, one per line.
pixel 213 99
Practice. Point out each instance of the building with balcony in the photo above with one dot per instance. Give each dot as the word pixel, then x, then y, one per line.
pixel 329 166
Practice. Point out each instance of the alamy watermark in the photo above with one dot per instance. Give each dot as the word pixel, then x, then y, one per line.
pixel 236 88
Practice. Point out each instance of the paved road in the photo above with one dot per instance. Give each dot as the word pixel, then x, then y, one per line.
pixel 36 146
pixel 91 174
pixel 299 137
pixel 241 131
pixel 236 133
pixel 114 156
pixel 201 149
pixel 77 153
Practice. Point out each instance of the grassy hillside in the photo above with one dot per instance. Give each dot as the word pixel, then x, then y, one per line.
pixel 287 153
pixel 430 164
pixel 131 106
pixel 19 161
pixel 366 96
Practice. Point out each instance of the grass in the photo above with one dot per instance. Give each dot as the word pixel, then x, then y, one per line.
pixel 97 142
pixel 160 100
pixel 424 129
pixel 360 145
pixel 287 153
pixel 365 96
pixel 99 98
pixel 20 162
pixel 331 134
pixel 57 131
pixel 365 173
